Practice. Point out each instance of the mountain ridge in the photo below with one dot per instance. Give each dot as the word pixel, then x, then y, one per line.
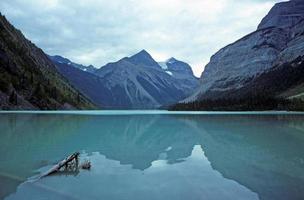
pixel 60 59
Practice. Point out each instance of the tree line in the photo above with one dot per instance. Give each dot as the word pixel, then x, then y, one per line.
pixel 253 103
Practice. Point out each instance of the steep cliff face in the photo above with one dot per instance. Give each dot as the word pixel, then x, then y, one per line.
pixel 284 15
pixel 234 65
pixel 295 46
pixel 278 40
pixel 28 79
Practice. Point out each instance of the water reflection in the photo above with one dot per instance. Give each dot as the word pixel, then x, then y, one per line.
pixel 200 156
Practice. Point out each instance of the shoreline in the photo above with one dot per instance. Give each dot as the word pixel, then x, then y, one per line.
pixel 152 112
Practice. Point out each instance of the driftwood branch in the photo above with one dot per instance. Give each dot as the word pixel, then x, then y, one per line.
pixel 64 163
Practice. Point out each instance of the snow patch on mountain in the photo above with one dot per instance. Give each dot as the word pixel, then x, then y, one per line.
pixel 170 73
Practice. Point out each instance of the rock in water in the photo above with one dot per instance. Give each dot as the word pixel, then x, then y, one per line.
pixel 86 165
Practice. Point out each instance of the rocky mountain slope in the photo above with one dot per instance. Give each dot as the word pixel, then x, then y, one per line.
pixel 278 41
pixel 28 79
pixel 136 82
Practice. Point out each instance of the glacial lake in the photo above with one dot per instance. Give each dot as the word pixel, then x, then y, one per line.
pixel 143 155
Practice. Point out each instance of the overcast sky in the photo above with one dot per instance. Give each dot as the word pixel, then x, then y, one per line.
pixel 101 31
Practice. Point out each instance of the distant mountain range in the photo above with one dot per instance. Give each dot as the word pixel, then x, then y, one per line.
pixel 136 82
pixel 267 62
pixel 29 80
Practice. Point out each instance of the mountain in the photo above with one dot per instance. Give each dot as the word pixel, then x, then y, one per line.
pixel 60 59
pixel 136 82
pixel 28 79
pixel 140 82
pixel 245 67
pixel 182 72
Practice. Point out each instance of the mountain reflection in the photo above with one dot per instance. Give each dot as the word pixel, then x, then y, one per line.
pixel 262 153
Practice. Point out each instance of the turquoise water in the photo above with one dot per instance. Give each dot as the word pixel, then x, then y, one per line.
pixel 154 155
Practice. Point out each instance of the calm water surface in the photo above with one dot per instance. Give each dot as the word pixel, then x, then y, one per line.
pixel 154 155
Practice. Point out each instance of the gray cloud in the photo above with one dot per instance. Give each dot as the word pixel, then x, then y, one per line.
pixel 100 31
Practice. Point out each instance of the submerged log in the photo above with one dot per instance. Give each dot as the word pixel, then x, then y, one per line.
pixel 64 163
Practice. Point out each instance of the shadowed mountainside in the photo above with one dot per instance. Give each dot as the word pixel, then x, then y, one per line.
pixel 28 79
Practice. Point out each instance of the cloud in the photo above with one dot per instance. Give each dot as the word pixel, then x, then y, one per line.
pixel 101 31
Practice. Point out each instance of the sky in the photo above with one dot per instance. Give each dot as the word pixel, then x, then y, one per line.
pixel 102 31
